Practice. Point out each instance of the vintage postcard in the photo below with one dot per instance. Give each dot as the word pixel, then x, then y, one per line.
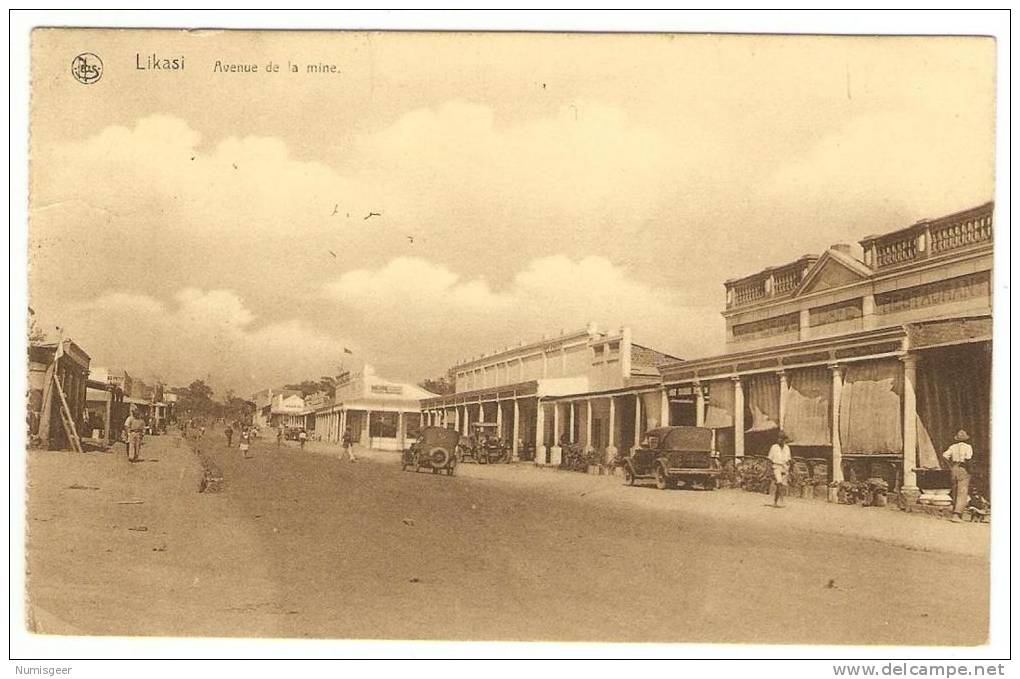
pixel 543 337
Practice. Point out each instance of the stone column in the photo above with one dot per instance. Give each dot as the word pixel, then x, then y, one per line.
pixel 783 386
pixel 456 418
pixel 909 487
pixel 588 447
pixel 611 449
pixel 400 428
pixel 499 420
pixel 573 416
pixel 517 431
pixel 368 427
pixel 109 417
pixel 738 417
pixel 467 419
pixel 664 408
pixel 556 452
pixel 837 444
pixel 539 433
pixel 637 423
pixel 699 405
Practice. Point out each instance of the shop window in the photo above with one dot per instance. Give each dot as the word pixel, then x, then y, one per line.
pixel 383 425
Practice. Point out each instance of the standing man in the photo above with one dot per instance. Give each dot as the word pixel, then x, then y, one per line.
pixel 302 437
pixel 279 435
pixel 229 431
pixel 134 427
pixel 349 445
pixel 959 455
pixel 780 456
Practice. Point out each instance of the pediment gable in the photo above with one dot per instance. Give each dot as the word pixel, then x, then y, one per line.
pixel 832 270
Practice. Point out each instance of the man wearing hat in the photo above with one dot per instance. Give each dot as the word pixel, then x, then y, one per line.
pixel 779 456
pixel 134 427
pixel 959 455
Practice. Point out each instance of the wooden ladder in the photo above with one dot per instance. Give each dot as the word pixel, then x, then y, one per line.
pixel 65 417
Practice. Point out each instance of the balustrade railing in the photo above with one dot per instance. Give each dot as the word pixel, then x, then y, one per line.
pixel 767 285
pixel 746 294
pixel 897 251
pixel 950 236
pixel 929 238
pixel 786 281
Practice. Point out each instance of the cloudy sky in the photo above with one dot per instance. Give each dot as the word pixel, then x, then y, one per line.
pixel 195 223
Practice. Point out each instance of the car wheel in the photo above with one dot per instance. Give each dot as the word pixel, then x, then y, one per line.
pixel 661 480
pixel 439 458
pixel 628 476
pixel 712 483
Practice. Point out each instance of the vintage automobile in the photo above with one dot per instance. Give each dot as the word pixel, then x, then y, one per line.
pixel 435 449
pixel 483 445
pixel 675 455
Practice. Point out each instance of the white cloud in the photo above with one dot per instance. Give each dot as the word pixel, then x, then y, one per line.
pixel 452 317
pixel 202 333
pixel 413 281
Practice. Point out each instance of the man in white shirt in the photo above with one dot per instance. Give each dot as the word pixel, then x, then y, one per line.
pixel 959 454
pixel 780 456
pixel 134 427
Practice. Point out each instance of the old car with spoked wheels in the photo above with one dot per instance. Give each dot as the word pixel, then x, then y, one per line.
pixel 675 456
pixel 483 445
pixel 435 449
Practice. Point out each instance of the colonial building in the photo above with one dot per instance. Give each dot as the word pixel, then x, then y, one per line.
pixel 279 408
pixel 66 363
pixel 871 358
pixel 597 389
pixel 382 414
pixel 106 407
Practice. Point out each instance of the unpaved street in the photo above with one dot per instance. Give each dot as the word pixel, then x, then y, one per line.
pixel 301 544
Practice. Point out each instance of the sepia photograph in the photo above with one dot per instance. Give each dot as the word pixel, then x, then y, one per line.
pixel 547 336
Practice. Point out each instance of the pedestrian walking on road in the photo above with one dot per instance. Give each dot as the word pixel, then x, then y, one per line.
pixel 229 432
pixel 134 428
pixel 279 436
pixel 959 455
pixel 349 445
pixel 779 456
pixel 245 443
pixel 302 437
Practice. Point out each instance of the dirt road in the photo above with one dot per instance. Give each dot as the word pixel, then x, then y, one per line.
pixel 304 545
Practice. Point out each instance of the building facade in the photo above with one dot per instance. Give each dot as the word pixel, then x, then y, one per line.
pixel 382 414
pixel 869 357
pixel 595 389
pixel 61 361
pixel 278 408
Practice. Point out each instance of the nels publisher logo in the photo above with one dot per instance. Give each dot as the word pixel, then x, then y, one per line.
pixel 87 68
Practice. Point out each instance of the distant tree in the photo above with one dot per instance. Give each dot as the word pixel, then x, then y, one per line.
pixel 197 398
pixel 236 409
pixel 438 385
pixel 306 387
